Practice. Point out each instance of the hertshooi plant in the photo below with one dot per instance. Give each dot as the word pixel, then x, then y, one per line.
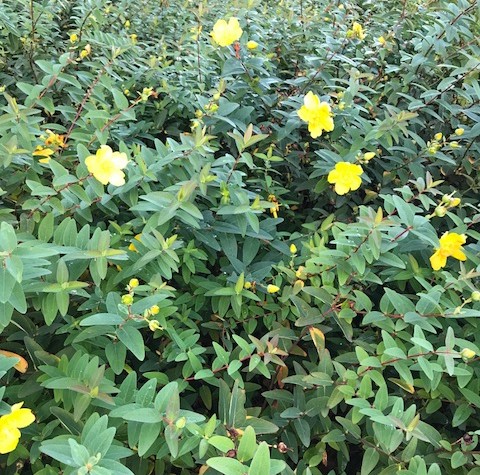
pixel 239 237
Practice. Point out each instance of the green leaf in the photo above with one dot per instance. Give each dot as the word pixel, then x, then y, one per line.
pixel 369 461
pixel 227 466
pixel 261 460
pixel 247 445
pixel 133 340
pixel 458 459
pixel 102 319
pixel 224 444
pixel 116 354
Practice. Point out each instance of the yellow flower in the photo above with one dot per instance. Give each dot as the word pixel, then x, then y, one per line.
pixel 317 114
pixel 381 40
pixel 459 131
pixel 9 425
pixel 455 202
pixel 55 139
pixel 45 152
pixel 131 246
pixel 106 166
pixel 450 246
pixel 73 38
pixel 438 136
pixel 356 31
pixel 224 34
pixel 346 177
pixel 272 289
pixel 252 44
pixel 275 206
pixel 134 283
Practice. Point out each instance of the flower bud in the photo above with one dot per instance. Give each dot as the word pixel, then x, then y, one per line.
pixel 127 299
pixel 180 423
pixel 73 38
pixel 459 131
pixel 247 285
pixel 467 353
pixel 133 283
pixel 293 248
pixel 272 289
pixel 455 144
pixel 252 44
pixel 455 202
pixel 438 136
pixel 154 309
pixel 446 199
pixel 475 296
pixel 368 156
pixel 154 325
pixel 440 211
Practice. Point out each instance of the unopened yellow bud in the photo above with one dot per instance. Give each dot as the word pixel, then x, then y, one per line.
pixel 134 38
pixel 446 199
pixel 438 136
pixel 381 40
pixel 127 24
pixel 475 296
pixel 455 202
pixel 127 299
pixel 467 353
pixel 154 325
pixel 293 248
pixel 73 38
pixel 180 423
pixel 133 283
pixel 300 273
pixel 440 211
pixel 252 44
pixel 154 309
pixel 247 285
pixel 454 144
pixel 459 131
pixel 368 156
pixel 272 289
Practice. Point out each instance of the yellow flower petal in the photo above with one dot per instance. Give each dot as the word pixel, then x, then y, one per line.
pixel 437 261
pixel 19 417
pixel 9 437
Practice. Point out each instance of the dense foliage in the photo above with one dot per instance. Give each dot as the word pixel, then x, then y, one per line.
pixel 239 247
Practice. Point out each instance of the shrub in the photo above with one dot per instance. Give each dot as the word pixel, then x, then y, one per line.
pixel 200 272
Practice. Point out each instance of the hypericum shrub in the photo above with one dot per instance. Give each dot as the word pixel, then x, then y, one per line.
pixel 239 237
